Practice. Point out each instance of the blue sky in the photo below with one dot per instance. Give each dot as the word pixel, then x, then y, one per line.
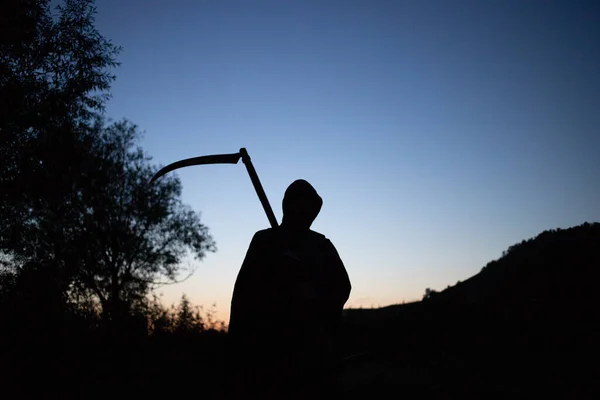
pixel 437 132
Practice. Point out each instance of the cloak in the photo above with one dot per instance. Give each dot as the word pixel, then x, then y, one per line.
pixel 288 296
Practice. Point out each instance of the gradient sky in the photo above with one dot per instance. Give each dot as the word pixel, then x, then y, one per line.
pixel 437 132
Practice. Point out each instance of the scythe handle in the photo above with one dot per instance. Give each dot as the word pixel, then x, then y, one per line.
pixel 258 187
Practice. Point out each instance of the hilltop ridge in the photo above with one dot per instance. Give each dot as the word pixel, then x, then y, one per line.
pixel 526 324
pixel 558 267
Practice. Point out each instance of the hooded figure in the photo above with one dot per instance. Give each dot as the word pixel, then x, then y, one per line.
pixel 287 301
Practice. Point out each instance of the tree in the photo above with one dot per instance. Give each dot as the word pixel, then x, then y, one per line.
pixel 74 193
pixel 129 236
pixel 429 293
pixel 82 233
pixel 54 77
pixel 188 320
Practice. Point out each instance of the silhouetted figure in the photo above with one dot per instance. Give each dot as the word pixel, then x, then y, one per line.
pixel 287 301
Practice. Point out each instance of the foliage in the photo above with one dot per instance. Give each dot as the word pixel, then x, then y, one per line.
pixel 133 234
pixel 118 236
pixel 83 237
pixel 54 76
pixel 55 67
pixel 184 319
pixel 74 192
pixel 429 293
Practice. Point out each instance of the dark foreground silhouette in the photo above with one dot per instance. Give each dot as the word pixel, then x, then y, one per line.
pixel 525 326
pixel 286 306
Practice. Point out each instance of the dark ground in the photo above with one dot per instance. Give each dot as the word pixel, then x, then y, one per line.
pixel 526 326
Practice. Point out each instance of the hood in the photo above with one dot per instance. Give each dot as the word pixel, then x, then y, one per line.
pixel 301 205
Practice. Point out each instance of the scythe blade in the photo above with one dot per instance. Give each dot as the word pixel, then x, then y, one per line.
pixel 214 159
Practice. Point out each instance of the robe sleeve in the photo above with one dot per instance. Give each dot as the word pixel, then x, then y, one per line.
pixel 248 291
pixel 340 282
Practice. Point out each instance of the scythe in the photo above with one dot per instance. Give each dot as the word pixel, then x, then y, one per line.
pixel 226 159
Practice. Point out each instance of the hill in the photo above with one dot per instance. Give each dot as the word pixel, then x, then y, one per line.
pixel 527 323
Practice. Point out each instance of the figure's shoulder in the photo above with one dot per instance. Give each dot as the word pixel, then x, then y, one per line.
pixel 323 243
pixel 318 236
pixel 262 239
pixel 264 234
